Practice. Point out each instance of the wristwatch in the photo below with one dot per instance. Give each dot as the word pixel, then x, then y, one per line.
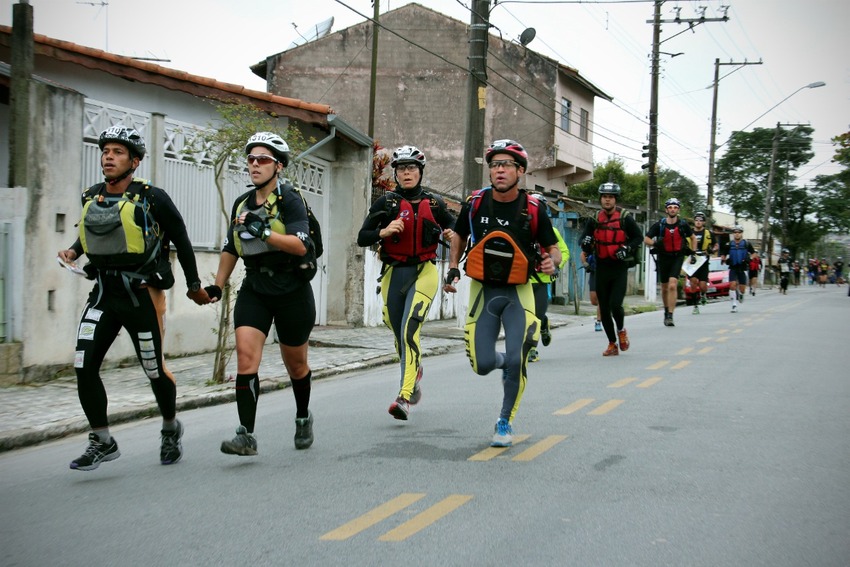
pixel 266 233
pixel 195 287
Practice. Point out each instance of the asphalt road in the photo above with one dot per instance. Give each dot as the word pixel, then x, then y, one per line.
pixel 722 441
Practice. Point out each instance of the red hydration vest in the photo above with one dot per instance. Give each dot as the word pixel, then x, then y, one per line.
pixel 609 234
pixel 672 241
pixel 418 241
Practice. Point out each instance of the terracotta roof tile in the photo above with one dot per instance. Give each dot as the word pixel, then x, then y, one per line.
pixel 73 52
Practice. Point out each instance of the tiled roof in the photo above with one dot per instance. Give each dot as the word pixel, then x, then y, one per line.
pixel 150 73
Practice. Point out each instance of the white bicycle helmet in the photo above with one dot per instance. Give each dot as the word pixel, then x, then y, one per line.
pixel 408 154
pixel 273 142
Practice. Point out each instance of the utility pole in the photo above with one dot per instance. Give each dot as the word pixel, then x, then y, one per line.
pixel 712 145
pixel 374 78
pixel 652 165
pixel 476 99
pixel 656 21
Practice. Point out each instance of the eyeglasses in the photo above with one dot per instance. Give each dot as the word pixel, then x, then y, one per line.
pixel 262 159
pixel 407 167
pixel 496 163
pixel 738 231
pixel 672 206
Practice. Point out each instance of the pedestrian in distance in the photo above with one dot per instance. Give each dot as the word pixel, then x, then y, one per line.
pixel 612 236
pixel 408 222
pixel 823 272
pixel 126 230
pixel 754 269
pixel 588 261
pixel 269 231
pixel 704 247
pixel 785 267
pixel 838 267
pixel 499 225
pixel 541 283
pixel 671 239
pixel 736 253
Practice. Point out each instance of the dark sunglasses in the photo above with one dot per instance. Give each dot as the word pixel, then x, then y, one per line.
pixel 262 159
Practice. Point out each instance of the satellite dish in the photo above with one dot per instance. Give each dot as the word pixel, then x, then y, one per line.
pixel 527 35
pixel 313 33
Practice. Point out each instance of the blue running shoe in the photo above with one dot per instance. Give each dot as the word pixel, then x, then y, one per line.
pixel 504 434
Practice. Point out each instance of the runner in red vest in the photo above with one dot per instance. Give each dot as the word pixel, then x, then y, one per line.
pixel 672 239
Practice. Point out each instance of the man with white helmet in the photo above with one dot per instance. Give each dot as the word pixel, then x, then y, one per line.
pixel 736 253
pixel 408 223
pixel 672 239
pixel 705 245
pixel 269 230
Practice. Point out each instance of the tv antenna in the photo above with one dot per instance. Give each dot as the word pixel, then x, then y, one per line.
pixel 102 4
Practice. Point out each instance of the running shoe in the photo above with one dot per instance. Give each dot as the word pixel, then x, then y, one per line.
pixel 504 434
pixel 417 390
pixel 598 326
pixel 545 335
pixel 244 444
pixel 623 338
pixel 399 409
pixel 170 448
pixel 734 309
pixel 612 350
pixel 696 310
pixel 95 454
pixel 533 355
pixel 304 431
pixel 668 320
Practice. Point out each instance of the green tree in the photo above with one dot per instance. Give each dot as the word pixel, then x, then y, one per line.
pixel 632 185
pixel 743 171
pixel 834 190
pixel 673 184
pixel 224 143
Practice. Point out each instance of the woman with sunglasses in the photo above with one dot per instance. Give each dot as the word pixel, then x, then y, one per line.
pixel 269 231
pixel 408 222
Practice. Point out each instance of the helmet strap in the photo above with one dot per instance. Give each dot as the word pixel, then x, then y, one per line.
pixel 120 178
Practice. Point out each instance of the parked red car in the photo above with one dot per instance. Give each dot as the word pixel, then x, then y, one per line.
pixel 718 280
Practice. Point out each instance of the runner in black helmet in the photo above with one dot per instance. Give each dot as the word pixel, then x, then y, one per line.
pixel 128 258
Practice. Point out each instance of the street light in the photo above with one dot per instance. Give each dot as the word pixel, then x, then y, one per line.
pixel 765 235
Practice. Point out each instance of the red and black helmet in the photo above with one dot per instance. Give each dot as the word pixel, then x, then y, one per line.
pixel 510 147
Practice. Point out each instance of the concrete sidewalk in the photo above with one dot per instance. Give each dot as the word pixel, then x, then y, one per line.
pixel 37 412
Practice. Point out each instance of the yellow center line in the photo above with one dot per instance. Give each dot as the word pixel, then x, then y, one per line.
pixel 722 331
pixel 722 339
pixel 704 340
pixel 705 350
pixel 575 406
pixel 622 382
pixel 679 365
pixel 426 518
pixel 606 407
pixel 372 517
pixel 658 365
pixel 736 331
pixel 685 351
pixel 650 382
pixel 493 452
pixel 539 448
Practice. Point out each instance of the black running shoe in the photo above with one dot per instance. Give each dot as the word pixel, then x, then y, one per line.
pixel 171 449
pixel 95 454
pixel 243 444
pixel 304 431
pixel 545 335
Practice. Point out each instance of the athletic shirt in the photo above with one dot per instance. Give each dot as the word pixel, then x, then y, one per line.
pixel 705 240
pixel 271 273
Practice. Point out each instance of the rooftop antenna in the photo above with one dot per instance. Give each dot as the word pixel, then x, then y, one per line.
pixel 102 4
